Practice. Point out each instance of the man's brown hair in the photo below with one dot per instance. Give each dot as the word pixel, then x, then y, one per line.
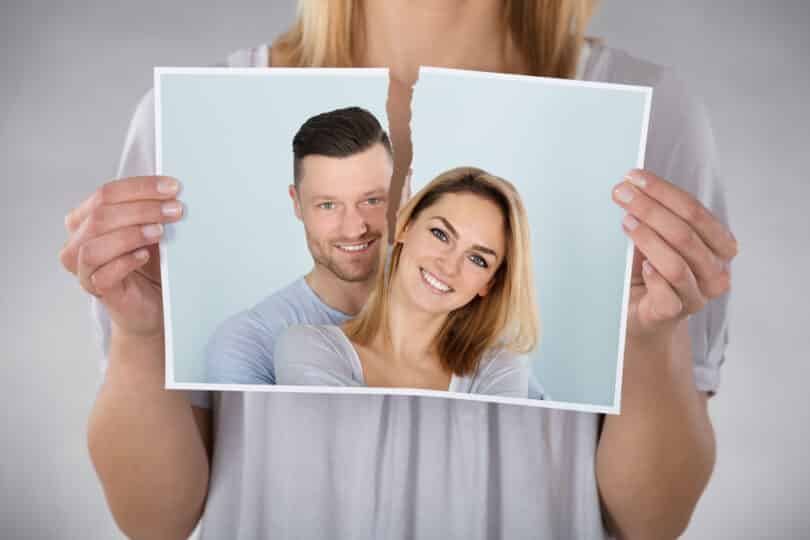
pixel 339 133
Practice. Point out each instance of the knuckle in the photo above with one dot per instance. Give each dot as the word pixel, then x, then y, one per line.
pixel 104 194
pixel 679 274
pixel 66 258
pixel 96 220
pixel 684 238
pixel 88 256
pixel 642 208
pixel 695 212
pixel 723 282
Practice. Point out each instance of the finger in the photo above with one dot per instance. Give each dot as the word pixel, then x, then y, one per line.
pixel 661 303
pixel 124 190
pixel 715 234
pixel 709 269
pixel 674 269
pixel 107 218
pixel 100 251
pixel 110 275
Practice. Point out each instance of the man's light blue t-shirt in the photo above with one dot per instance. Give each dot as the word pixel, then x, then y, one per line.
pixel 241 349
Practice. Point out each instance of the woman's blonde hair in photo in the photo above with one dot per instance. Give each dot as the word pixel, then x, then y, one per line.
pixel 548 33
pixel 507 317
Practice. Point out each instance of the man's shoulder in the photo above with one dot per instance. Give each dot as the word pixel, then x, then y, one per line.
pixel 290 305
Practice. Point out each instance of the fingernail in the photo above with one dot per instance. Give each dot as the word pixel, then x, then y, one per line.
pixel 646 267
pixel 630 222
pixel 635 178
pixel 171 208
pixel 142 254
pixel 168 185
pixel 624 193
pixel 152 231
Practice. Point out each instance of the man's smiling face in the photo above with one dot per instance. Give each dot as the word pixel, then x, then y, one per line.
pixel 342 202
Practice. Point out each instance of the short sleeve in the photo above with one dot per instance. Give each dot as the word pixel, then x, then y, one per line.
pixel 311 355
pixel 237 352
pixel 137 159
pixel 503 374
pixel 681 149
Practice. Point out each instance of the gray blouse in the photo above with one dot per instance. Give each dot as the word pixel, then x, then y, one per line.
pixel 322 355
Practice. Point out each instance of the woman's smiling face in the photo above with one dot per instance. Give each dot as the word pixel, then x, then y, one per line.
pixel 451 252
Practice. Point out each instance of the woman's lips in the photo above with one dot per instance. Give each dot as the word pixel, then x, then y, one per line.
pixel 435 284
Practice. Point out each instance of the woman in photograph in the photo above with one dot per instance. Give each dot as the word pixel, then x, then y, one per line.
pixel 454 309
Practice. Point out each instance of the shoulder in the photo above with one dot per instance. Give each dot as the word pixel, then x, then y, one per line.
pixel 314 354
pixel 314 337
pixel 680 141
pixel 257 56
pixel 273 314
pixel 502 372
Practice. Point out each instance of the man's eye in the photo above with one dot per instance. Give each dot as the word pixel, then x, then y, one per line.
pixel 374 201
pixel 480 261
pixel 328 205
pixel 438 233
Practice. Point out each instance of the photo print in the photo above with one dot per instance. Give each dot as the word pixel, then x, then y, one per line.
pixel 504 277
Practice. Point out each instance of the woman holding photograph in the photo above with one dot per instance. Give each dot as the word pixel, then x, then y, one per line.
pixel 471 470
pixel 451 312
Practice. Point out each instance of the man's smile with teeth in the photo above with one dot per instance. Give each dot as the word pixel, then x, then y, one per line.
pixel 434 282
pixel 354 247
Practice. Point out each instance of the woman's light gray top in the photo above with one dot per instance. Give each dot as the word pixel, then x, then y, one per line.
pixel 322 355
pixel 371 466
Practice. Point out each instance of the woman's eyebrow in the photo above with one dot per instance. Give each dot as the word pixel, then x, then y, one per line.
pixel 477 247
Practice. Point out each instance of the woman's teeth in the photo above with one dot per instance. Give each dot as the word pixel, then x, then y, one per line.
pixel 434 282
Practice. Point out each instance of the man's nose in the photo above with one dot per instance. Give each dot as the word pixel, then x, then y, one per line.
pixel 354 224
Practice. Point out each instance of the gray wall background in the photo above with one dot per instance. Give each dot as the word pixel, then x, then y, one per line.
pixel 72 72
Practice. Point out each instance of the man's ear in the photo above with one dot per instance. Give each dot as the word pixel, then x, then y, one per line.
pixel 296 204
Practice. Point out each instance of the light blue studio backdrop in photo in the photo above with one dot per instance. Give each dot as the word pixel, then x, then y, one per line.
pixel 564 145
pixel 227 136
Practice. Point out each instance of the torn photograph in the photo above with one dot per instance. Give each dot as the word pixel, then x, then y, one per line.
pixel 309 259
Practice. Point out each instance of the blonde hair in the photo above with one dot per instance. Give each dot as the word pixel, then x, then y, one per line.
pixel 507 316
pixel 548 33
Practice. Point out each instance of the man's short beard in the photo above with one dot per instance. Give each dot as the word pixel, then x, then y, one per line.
pixel 330 265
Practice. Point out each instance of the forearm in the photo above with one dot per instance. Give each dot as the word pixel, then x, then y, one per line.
pixel 146 447
pixel 655 459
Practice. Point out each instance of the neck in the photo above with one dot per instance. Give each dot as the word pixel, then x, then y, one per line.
pixel 413 331
pixel 404 34
pixel 347 297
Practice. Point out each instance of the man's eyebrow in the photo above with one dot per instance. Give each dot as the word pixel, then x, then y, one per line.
pixel 477 247
pixel 378 191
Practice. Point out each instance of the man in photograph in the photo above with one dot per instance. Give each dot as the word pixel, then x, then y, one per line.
pixel 342 167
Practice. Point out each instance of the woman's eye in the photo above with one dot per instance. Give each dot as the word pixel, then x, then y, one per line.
pixel 328 205
pixel 478 260
pixel 438 233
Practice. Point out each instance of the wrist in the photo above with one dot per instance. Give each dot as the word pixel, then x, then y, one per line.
pixel 135 356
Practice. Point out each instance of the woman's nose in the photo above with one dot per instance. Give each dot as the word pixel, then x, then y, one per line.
pixel 450 263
